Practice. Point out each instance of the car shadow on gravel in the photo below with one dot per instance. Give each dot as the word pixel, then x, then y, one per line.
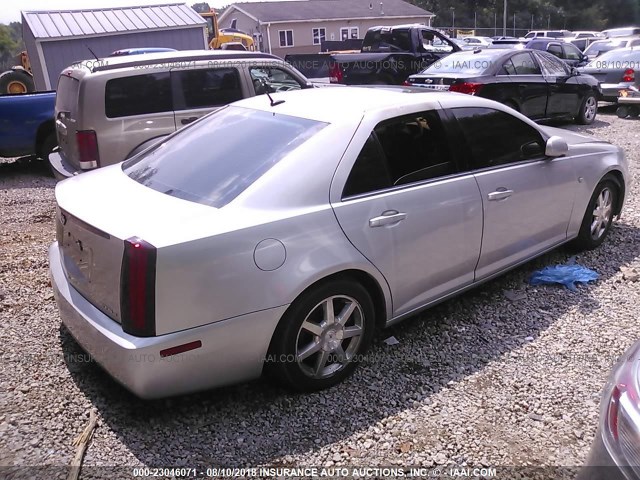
pixel 25 166
pixel 258 423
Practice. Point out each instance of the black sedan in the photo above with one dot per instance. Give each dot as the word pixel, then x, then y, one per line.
pixel 533 82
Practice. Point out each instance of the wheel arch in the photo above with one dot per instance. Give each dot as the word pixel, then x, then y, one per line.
pixel 618 179
pixel 44 130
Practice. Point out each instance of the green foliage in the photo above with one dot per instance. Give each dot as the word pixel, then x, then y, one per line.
pixel 10 44
pixel 202 7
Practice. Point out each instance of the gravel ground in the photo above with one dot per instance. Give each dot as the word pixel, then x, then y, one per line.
pixel 480 380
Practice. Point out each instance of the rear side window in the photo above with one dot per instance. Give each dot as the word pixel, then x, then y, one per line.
pixel 226 152
pixel 497 138
pixel 67 93
pixel 524 64
pixel 138 95
pixel 206 88
pixel 401 151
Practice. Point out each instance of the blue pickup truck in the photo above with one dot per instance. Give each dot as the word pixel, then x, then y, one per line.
pixel 27 125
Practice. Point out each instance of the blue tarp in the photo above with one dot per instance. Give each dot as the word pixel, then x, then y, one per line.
pixel 567 275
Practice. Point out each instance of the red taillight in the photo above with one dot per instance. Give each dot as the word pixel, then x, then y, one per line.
pixel 138 288
pixel 466 87
pixel 629 75
pixel 407 83
pixel 335 73
pixel 612 413
pixel 88 149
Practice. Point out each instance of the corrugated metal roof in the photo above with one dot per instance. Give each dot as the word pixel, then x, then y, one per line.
pixel 96 21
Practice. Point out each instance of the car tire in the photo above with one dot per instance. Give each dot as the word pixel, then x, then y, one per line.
pixel 588 110
pixel 309 351
pixel 634 111
pixel 14 81
pixel 598 218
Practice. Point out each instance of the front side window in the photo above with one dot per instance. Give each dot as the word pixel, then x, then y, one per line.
pixel 272 79
pixel 401 151
pixel 286 38
pixel 206 88
pixel 555 50
pixel 319 35
pixel 497 138
pixel 227 153
pixel 524 64
pixel 138 95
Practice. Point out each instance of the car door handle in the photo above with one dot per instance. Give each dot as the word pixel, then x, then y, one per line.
pixel 187 121
pixel 390 217
pixel 500 194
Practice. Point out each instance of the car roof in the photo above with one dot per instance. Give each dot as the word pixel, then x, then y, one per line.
pixel 112 63
pixel 333 104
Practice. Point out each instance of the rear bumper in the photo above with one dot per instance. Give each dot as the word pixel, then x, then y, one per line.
pixel 60 167
pixel 232 351
pixel 611 91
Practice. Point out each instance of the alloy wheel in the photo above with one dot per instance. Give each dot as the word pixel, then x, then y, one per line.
pixel 602 212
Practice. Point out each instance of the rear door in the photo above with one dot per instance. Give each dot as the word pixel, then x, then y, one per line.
pixel 406 209
pixel 564 90
pixel 199 91
pixel 527 198
pixel 532 90
pixel 66 114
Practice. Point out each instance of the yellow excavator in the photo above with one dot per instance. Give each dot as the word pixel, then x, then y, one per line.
pixel 229 38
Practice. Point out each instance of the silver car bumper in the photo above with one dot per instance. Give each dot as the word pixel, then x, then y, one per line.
pixel 60 167
pixel 232 350
pixel 611 91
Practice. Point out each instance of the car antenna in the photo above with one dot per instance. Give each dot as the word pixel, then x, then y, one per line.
pixel 88 48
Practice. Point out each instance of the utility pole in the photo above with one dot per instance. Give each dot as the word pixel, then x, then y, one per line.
pixel 531 22
pixel 495 24
pixel 504 20
pixel 514 24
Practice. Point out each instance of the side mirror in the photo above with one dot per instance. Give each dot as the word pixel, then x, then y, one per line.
pixel 556 147
pixel 574 72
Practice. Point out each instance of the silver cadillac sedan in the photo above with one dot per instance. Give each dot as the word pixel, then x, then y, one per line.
pixel 275 235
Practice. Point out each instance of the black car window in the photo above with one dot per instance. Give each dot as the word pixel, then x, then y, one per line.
pixel 370 172
pixel 508 68
pixel 551 65
pixel 524 64
pixel 415 148
pixel 571 52
pixel 206 87
pixel 403 150
pixel 497 138
pixel 138 95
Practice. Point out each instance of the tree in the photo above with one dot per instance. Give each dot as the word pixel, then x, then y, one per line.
pixel 202 7
pixel 9 47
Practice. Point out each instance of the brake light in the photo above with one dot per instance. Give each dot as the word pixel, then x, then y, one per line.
pixel 88 149
pixel 612 412
pixel 138 288
pixel 335 73
pixel 466 87
pixel 629 75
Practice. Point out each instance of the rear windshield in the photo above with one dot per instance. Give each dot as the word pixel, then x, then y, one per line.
pixel 472 64
pixel 67 94
pixel 215 160
pixel 395 40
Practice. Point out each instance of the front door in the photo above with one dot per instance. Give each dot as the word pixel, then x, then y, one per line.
pixel 527 198
pixel 564 90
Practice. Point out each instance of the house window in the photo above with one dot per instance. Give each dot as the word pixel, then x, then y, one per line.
pixel 286 38
pixel 319 35
pixel 348 32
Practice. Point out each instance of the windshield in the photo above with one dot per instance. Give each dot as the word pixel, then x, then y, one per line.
pixel 474 64
pixel 597 48
pixel 392 40
pixel 216 159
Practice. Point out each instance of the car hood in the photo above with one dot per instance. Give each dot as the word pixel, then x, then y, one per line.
pixel 572 138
